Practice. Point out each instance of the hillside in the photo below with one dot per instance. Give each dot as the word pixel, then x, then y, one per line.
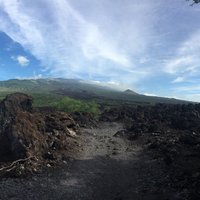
pixel 46 91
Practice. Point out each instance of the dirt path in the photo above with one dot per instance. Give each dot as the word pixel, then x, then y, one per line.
pixel 102 142
pixel 106 168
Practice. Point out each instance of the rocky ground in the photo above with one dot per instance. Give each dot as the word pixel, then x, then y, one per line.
pixel 140 153
pixel 106 167
pixel 170 134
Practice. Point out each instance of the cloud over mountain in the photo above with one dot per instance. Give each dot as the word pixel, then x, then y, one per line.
pixel 144 44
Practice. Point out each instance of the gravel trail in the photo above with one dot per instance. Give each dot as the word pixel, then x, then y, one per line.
pixel 105 168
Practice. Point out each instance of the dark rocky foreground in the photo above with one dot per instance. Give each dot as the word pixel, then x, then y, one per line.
pixel 31 140
pixel 170 134
pixel 140 153
pixel 106 167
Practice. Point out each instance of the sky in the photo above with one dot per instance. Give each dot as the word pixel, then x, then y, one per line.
pixel 152 47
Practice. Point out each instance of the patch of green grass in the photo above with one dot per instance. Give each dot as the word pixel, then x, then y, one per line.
pixel 45 99
pixel 70 105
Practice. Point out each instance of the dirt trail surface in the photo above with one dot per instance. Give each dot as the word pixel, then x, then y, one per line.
pixel 105 168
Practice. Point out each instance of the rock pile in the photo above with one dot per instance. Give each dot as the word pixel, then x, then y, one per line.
pixel 85 120
pixel 31 139
pixel 158 117
pixel 171 134
pixel 180 152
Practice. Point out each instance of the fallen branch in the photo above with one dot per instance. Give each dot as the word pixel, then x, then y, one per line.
pixel 11 166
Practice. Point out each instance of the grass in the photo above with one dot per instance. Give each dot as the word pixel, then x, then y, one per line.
pixel 45 99
pixel 70 105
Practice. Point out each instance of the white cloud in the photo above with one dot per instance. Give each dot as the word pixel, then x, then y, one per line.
pixel 186 60
pixel 192 97
pixel 104 41
pixel 150 94
pixel 113 41
pixel 178 80
pixel 94 45
pixel 185 64
pixel 34 77
pixel 22 60
pixel 110 84
pixel 189 92
pixel 180 64
pixel 188 88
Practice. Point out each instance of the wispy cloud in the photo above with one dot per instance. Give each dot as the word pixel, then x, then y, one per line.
pixel 188 88
pixel 192 97
pixel 150 94
pixel 71 43
pixel 34 77
pixel 110 84
pixel 186 59
pixel 178 80
pixel 143 44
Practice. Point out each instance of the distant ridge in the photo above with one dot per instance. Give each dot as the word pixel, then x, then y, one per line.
pixel 129 91
pixel 51 90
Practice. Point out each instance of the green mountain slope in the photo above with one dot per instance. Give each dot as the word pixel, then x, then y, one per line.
pixel 47 91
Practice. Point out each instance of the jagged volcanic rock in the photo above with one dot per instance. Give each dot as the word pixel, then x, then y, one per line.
pixel 171 134
pixel 25 133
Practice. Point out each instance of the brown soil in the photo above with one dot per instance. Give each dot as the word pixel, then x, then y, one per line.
pixel 106 168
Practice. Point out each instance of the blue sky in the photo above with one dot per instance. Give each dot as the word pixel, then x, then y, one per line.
pixel 152 46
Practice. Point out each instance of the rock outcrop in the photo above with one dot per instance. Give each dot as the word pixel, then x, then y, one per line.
pixel 28 135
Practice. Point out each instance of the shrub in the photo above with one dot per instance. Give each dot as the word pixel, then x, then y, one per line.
pixel 70 105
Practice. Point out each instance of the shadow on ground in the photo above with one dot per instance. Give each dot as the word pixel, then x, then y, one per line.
pixel 101 178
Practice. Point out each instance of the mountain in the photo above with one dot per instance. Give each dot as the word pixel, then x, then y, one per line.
pixel 48 90
pixel 129 91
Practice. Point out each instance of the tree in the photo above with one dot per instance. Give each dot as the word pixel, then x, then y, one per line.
pixel 194 1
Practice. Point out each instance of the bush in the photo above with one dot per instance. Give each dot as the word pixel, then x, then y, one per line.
pixel 70 105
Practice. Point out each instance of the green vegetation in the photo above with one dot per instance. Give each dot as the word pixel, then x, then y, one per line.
pixel 44 99
pixel 70 105
pixel 47 92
